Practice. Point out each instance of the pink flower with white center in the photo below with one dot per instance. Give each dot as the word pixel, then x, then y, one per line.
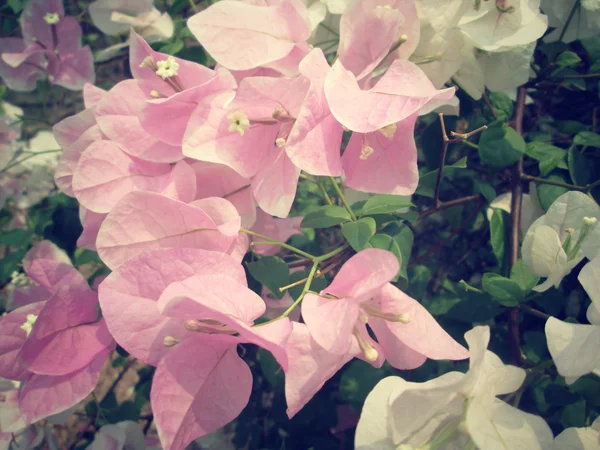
pixel 188 322
pixel 54 347
pixel 247 130
pixel 51 46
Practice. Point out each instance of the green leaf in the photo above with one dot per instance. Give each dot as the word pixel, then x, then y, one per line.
pixel 504 291
pixel 270 368
pixel 358 233
pixel 325 217
pixel 272 272
pixel 18 237
pixel 523 276
pixel 499 234
pixel 500 146
pixel 587 138
pixel 485 189
pixel 548 193
pixel 384 204
pixel 573 415
pixel 427 182
pixel 549 156
pixel 568 59
pixel 172 48
pixel 16 5
pixel 502 104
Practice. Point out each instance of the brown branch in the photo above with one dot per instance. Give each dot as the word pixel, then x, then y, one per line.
pixel 514 337
pixel 489 105
pixel 454 233
pixel 449 204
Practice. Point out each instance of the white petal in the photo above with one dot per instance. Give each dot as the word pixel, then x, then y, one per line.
pixel 373 431
pixel 589 277
pixel 575 349
pixel 542 250
pixel 495 425
pixel 578 439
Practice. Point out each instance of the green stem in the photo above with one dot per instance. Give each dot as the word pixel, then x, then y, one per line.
pixel 193 6
pixel 470 144
pixel 587 188
pixel 279 243
pixel 324 192
pixel 309 279
pixel 16 163
pixel 340 194
pixel 331 254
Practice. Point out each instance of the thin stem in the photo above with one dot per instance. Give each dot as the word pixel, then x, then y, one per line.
pixel 586 188
pixel 440 174
pixel 331 254
pixel 586 75
pixel 324 193
pixel 343 199
pixel 309 279
pixel 16 163
pixel 534 312
pixel 449 204
pixel 489 105
pixel 514 337
pixel 193 6
pixel 279 243
pixel 319 273
pixel 568 22
pixel 470 144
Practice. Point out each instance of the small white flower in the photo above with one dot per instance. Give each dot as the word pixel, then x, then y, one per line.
pixel 28 325
pixel 365 152
pixel 167 68
pixel 238 122
pixel 51 18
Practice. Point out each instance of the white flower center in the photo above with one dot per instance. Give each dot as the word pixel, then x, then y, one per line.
pixel 28 325
pixel 238 122
pixel 167 68
pixel 52 18
pixel 16 384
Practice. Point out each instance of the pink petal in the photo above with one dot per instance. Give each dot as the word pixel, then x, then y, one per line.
pixel 129 296
pixel 33 25
pixel 314 141
pixel 310 366
pixel 68 32
pixel 392 166
pixel 367 31
pixel 70 129
pixel 66 351
pixel 363 275
pixel 274 186
pixel 207 138
pixel 92 95
pixel 203 296
pixel 189 74
pixel 221 298
pixel 422 334
pixel 400 93
pixel 288 65
pixel 218 180
pixel 242 36
pixel 258 97
pixel 24 77
pixel 42 395
pixel 117 117
pixel 179 107
pixel 63 176
pixel 330 321
pixel 48 265
pixel 12 338
pixel 91 223
pixel 105 174
pixel 73 303
pixel 192 396
pixel 76 69
pixel 143 221
pixel 277 229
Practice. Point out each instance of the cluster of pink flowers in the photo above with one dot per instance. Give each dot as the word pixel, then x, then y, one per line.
pixel 50 47
pixel 53 344
pixel 173 167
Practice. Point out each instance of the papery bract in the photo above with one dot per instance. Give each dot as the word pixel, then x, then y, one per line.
pixel 144 220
